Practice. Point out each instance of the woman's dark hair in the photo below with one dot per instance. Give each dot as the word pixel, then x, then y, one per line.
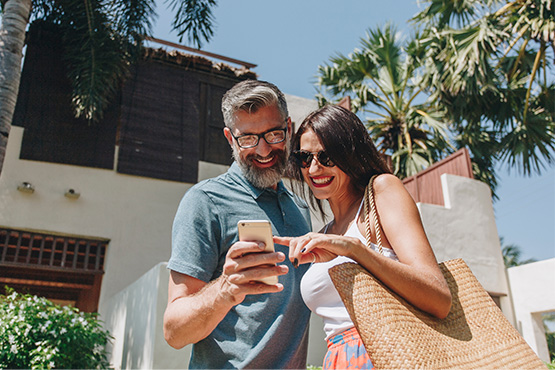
pixel 347 143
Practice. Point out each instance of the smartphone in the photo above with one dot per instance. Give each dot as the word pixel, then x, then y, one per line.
pixel 258 231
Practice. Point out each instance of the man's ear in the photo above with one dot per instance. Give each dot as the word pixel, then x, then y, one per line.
pixel 227 134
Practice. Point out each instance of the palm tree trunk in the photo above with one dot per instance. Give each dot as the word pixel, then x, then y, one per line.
pixel 12 38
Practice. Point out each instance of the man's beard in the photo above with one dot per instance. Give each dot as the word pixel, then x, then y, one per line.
pixel 262 177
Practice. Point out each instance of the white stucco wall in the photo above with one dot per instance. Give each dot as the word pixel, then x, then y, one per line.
pixel 135 213
pixel 465 228
pixel 533 292
pixel 134 317
pixel 299 108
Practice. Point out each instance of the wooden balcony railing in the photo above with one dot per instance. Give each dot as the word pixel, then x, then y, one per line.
pixel 425 186
pixel 63 268
pixel 37 249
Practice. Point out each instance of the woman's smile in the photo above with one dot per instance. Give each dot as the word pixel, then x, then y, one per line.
pixel 321 181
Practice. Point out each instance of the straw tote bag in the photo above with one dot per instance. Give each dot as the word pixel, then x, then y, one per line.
pixel 397 335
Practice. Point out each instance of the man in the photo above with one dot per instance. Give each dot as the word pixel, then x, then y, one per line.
pixel 214 299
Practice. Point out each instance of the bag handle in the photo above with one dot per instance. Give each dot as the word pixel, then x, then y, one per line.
pixel 369 202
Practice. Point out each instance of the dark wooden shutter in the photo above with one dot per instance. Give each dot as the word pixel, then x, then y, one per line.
pixel 159 123
pixel 214 145
pixel 166 117
pixel 52 133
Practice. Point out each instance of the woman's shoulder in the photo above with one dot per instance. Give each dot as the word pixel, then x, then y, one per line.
pixel 391 189
pixel 386 181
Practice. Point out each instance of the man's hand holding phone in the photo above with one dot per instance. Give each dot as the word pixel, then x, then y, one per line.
pixel 251 263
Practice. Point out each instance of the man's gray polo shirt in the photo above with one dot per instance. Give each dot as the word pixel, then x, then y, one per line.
pixel 265 331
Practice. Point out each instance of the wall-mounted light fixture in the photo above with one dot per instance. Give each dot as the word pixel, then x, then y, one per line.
pixel 72 193
pixel 26 187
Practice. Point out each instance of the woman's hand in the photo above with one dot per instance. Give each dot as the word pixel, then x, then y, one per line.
pixel 315 247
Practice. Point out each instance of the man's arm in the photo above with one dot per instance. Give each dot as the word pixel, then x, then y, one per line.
pixel 195 307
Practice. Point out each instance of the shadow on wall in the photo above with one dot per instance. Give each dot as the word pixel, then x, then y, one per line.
pixel 134 318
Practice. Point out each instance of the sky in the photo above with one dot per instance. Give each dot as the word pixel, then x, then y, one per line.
pixel 289 39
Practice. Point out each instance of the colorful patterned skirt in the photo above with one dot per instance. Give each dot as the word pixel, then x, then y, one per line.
pixel 346 351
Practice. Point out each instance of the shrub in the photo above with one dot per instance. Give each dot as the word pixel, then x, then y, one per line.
pixel 38 334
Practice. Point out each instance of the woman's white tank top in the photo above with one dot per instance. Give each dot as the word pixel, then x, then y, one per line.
pixel 319 293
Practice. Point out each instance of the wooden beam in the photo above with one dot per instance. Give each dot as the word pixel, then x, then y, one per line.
pixel 201 52
pixel 54 284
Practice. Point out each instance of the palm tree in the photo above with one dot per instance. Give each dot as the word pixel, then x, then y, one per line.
pixel 101 41
pixel 512 254
pixel 12 36
pixel 488 63
pixel 383 82
pixel 483 71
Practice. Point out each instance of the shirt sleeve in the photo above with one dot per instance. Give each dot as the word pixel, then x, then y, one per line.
pixel 196 236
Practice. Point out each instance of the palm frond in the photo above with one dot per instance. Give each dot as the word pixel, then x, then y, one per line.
pixel 483 145
pixel 193 18
pixel 529 146
pixel 102 38
pixel 92 54
pixel 512 255
pixel 441 13
pixel 384 83
pixel 132 19
pixel 407 162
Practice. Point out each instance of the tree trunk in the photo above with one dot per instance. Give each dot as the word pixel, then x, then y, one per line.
pixel 12 38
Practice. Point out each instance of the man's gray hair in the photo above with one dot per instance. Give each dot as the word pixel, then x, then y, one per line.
pixel 250 96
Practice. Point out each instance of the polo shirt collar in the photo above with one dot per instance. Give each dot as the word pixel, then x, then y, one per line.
pixel 237 174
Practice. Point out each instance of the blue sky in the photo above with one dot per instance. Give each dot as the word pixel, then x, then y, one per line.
pixel 289 39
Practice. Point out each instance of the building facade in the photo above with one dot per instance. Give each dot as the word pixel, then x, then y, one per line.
pixel 86 209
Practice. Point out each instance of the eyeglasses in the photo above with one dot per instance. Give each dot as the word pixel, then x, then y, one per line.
pixel 304 158
pixel 274 136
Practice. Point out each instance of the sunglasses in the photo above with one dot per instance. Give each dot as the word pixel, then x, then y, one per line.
pixel 304 158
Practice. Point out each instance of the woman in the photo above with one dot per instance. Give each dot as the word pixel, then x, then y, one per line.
pixel 334 155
